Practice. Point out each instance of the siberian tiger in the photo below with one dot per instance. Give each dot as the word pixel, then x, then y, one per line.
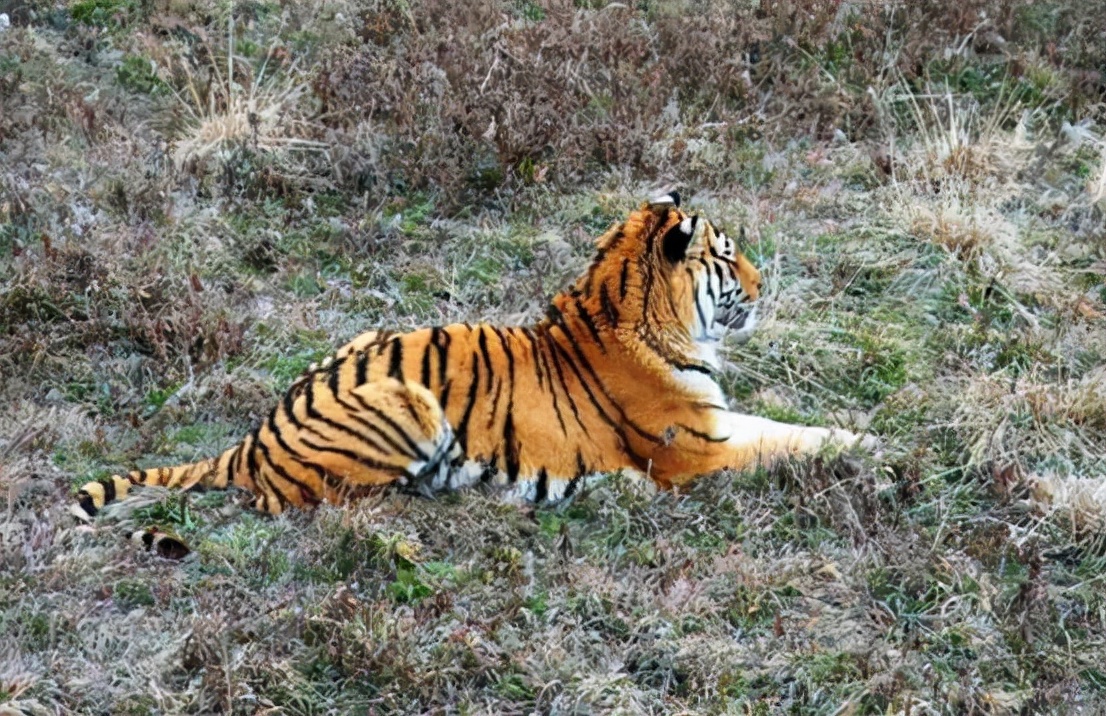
pixel 619 375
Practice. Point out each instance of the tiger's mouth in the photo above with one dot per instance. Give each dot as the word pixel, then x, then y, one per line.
pixel 739 320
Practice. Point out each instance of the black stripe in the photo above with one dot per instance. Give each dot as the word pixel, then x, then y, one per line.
pixel 260 481
pixel 581 467
pixel 537 359
pixel 701 435
pixel 424 377
pixel 442 341
pixel 507 353
pixel 292 452
pixel 512 448
pixel 592 328
pixel 305 491
pixel 543 366
pixel 443 394
pixel 395 359
pixel 608 306
pixel 294 455
pixel 362 367
pixel 251 461
pixel 620 234
pixel 698 307
pixel 84 500
pixel 623 279
pixel 646 290
pixel 361 459
pixel 495 405
pixel 332 379
pixel 564 388
pixel 697 367
pixel 246 447
pixel 542 490
pixel 409 406
pixel 109 489
pixel 463 425
pixel 414 449
pixel 482 343
pixel 230 464
pixel 710 284
pixel 330 480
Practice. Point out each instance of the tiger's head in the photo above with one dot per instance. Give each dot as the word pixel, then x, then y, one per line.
pixel 707 270
pixel 672 279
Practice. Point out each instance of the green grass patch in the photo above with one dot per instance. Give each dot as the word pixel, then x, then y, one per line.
pixel 111 14
pixel 137 74
pixel 132 594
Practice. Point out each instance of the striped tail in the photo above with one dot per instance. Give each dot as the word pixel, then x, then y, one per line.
pixel 214 474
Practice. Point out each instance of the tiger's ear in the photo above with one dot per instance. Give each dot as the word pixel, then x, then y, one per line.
pixel 678 238
pixel 666 201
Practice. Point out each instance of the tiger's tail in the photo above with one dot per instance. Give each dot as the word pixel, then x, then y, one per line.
pixel 216 473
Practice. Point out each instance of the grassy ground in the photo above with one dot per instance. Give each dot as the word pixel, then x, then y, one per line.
pixel 198 199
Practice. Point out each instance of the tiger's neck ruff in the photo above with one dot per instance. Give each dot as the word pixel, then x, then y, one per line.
pixel 618 376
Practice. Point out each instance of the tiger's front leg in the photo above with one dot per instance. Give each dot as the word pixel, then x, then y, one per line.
pixel 743 442
pixel 757 441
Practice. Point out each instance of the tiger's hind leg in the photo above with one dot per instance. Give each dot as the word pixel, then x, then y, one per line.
pixel 325 443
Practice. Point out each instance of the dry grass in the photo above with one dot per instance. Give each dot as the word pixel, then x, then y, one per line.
pixel 924 188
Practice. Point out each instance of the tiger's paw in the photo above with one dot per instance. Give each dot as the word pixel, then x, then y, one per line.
pixel 870 443
pixel 838 439
pixel 844 441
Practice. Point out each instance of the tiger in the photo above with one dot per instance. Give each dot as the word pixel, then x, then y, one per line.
pixel 621 374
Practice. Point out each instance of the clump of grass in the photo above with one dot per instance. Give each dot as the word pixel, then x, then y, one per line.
pixel 1077 503
pixel 227 101
pixel 1005 421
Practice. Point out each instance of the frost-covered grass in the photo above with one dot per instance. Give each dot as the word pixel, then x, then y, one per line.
pixel 933 243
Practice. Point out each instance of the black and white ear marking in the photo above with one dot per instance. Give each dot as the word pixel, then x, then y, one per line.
pixel 672 198
pixel 679 238
pixel 728 246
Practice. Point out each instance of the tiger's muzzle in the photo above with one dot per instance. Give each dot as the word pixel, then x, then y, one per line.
pixel 739 320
